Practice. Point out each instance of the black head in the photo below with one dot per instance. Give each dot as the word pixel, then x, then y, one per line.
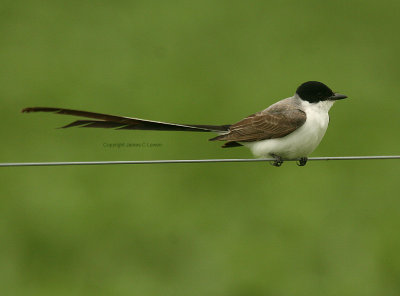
pixel 314 92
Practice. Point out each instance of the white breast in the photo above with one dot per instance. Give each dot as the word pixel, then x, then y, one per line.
pixel 302 141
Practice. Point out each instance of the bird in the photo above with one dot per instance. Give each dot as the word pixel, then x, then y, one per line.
pixel 290 129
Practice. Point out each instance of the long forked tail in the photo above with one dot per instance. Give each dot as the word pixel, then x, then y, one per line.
pixel 100 120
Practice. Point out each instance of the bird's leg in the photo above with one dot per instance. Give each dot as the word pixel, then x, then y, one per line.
pixel 278 160
pixel 302 161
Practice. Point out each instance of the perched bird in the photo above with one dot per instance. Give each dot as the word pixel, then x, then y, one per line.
pixel 290 129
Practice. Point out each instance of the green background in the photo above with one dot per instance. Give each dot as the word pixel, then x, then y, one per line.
pixel 330 228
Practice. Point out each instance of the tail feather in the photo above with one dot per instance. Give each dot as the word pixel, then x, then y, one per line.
pixel 231 144
pixel 129 123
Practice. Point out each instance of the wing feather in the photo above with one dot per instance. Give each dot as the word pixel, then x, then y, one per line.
pixel 270 123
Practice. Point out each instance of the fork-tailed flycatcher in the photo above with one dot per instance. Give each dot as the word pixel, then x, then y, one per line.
pixel 289 129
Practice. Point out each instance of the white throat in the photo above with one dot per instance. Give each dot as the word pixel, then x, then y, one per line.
pixel 323 106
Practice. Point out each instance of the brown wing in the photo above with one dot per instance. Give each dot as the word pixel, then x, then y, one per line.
pixel 268 124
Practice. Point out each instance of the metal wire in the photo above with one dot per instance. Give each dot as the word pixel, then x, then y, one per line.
pixel 65 163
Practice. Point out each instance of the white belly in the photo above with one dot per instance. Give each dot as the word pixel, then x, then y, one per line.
pixel 302 141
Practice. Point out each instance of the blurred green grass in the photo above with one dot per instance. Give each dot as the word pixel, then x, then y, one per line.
pixel 197 229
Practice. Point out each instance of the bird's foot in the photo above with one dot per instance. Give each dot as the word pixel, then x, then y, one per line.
pixel 277 162
pixel 302 161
